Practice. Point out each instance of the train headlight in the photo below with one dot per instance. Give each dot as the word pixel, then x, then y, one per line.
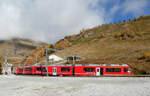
pixel 129 71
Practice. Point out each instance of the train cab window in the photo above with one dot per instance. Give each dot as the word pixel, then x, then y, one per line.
pixel 38 69
pixel 63 69
pixel 89 69
pixel 113 69
pixel 28 69
pixel 127 70
pixel 20 69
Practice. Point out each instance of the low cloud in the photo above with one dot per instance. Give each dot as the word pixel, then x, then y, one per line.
pixel 47 20
pixel 134 6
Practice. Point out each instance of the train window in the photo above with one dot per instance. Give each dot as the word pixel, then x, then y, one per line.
pixel 20 69
pixel 113 69
pixel 125 69
pixel 65 69
pixel 28 69
pixel 89 69
pixel 44 69
pixel 38 69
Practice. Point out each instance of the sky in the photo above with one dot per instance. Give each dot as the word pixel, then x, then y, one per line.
pixel 52 20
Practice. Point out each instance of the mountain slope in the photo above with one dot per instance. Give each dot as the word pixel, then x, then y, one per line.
pixel 125 42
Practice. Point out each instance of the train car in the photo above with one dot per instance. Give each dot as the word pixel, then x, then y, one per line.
pixel 120 69
pixel 19 70
pixel 102 70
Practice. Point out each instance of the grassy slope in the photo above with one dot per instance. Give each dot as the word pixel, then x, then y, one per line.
pixel 108 49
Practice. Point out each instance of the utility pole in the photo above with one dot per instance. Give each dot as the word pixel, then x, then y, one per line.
pixel 47 61
pixel 73 63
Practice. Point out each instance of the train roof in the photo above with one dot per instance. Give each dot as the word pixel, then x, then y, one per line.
pixel 80 65
pixel 102 65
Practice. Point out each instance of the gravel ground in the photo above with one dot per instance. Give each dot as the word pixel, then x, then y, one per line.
pixel 74 86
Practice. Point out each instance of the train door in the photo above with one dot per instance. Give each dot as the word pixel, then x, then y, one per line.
pixel 73 70
pixel 54 71
pixel 101 71
pixel 97 71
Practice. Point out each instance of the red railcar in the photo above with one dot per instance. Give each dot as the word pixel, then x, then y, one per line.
pixel 77 70
pixel 102 70
pixel 117 70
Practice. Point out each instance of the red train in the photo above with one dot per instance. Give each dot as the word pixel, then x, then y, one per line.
pixel 77 70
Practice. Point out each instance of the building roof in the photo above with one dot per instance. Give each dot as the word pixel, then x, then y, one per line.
pixel 53 57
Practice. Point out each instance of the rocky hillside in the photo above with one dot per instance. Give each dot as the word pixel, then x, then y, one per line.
pixel 125 42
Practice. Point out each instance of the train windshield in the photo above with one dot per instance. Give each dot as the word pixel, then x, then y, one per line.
pixel 127 70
